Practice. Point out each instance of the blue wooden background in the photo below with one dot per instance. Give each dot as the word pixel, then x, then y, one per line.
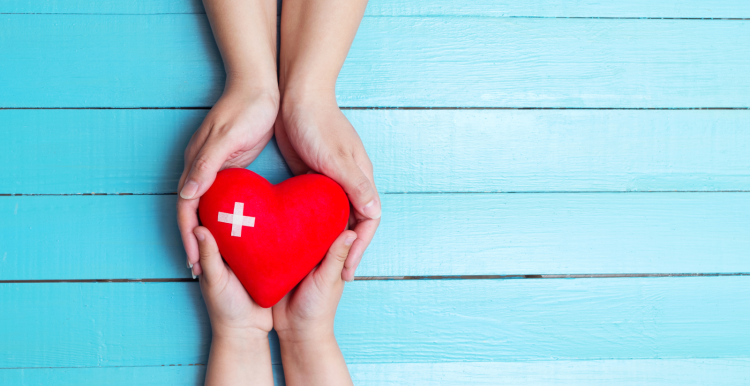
pixel 565 184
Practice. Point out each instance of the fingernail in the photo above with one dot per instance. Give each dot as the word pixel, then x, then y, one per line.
pixel 371 210
pixel 190 266
pixel 192 272
pixel 349 241
pixel 189 190
pixel 188 263
pixel 200 236
pixel 194 276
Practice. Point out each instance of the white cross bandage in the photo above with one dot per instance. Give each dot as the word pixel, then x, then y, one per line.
pixel 237 219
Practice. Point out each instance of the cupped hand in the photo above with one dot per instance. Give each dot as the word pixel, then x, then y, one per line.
pixel 308 311
pixel 231 309
pixel 313 134
pixel 233 134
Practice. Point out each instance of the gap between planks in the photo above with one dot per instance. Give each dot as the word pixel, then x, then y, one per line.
pixel 394 108
pixel 433 277
pixel 405 16
pixel 426 193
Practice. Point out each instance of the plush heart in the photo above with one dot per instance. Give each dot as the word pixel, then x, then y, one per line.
pixel 272 236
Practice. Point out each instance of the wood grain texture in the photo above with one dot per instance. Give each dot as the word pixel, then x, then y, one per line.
pixel 119 7
pixel 472 61
pixel 105 151
pixel 562 8
pixel 647 372
pixel 140 151
pixel 139 324
pixel 172 60
pixel 494 8
pixel 135 237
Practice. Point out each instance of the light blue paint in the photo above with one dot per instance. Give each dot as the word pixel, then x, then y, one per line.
pixel 647 372
pixel 99 237
pixel 405 321
pixel 482 62
pixel 105 151
pixel 624 331
pixel 188 375
pixel 641 372
pixel 172 60
pixel 141 151
pixel 494 8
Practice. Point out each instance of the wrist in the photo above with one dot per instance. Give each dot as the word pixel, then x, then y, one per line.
pixel 309 336
pixel 233 334
pixel 241 345
pixel 306 349
pixel 252 88
pixel 308 92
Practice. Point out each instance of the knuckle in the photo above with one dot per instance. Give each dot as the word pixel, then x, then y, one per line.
pixel 342 255
pixel 203 163
pixel 342 152
pixel 363 187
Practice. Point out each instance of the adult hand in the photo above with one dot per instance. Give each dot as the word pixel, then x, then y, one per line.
pixel 233 134
pixel 313 134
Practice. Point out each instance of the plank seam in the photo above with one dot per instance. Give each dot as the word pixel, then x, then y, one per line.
pixel 427 277
pixel 425 192
pixel 412 16
pixel 101 367
pixel 395 108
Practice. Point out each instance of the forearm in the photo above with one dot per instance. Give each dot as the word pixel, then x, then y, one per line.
pixel 239 361
pixel 315 38
pixel 314 362
pixel 245 31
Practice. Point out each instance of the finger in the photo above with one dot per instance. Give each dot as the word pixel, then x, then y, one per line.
pixel 210 259
pixel 360 189
pixel 197 140
pixel 187 220
pixel 203 171
pixel 291 156
pixel 365 231
pixel 333 262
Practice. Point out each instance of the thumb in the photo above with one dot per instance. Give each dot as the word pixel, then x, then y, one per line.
pixel 210 259
pixel 333 262
pixel 202 173
pixel 359 188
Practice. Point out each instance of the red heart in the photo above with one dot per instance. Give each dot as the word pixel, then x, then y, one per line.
pixel 282 232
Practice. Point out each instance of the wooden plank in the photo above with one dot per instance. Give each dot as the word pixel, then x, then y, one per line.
pixel 647 372
pixel 134 237
pixel 171 60
pixel 494 8
pixel 105 151
pixel 562 8
pixel 110 376
pixel 154 324
pixel 140 151
pixel 468 61
pixel 136 7
pixel 115 376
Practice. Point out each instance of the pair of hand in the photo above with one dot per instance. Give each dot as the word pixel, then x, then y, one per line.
pixel 307 312
pixel 312 134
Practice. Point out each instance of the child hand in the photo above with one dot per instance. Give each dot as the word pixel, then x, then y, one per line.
pixel 304 318
pixel 233 134
pixel 230 307
pixel 240 354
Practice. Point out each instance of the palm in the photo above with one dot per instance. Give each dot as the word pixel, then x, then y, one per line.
pixel 234 307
